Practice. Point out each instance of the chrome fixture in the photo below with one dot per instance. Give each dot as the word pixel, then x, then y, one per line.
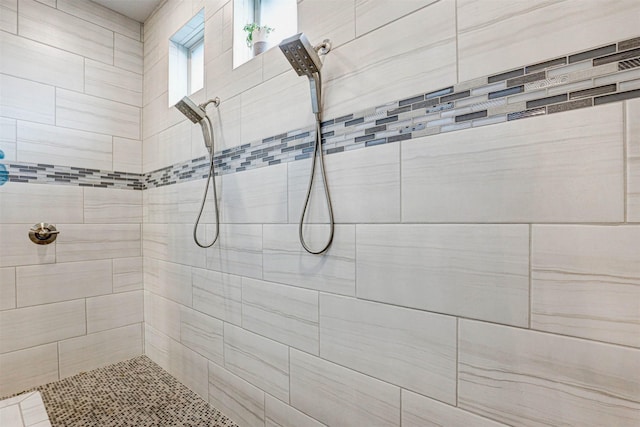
pixel 305 60
pixel 197 114
pixel 43 233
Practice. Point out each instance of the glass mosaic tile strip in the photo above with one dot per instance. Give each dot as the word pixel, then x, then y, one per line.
pixel 579 80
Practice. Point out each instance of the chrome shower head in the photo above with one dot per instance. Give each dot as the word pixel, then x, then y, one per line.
pixel 194 112
pixel 301 54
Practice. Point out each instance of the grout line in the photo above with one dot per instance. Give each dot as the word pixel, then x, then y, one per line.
pixel 457 43
pixel 625 161
pixel 457 359
pixel 529 315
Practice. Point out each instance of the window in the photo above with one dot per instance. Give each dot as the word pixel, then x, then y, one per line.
pixel 186 59
pixel 281 15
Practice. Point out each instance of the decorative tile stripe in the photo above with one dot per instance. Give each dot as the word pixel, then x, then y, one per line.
pixel 596 76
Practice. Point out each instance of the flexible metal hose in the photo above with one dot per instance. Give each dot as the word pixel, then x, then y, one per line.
pixel 207 133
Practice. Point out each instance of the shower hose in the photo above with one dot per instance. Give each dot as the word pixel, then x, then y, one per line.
pixel 207 133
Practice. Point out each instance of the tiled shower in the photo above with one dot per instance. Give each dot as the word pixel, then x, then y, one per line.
pixel 484 161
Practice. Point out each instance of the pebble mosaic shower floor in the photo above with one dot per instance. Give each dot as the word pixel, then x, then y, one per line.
pixel 135 392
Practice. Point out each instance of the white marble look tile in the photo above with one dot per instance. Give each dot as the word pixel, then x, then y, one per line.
pixel 238 250
pixel 255 196
pixel 28 368
pixel 43 284
pixel 127 155
pixel 102 16
pixel 162 314
pixel 79 242
pixel 279 414
pixel 283 313
pixel 531 378
pixel 33 410
pixel 218 294
pixel 155 79
pixel 339 396
pixel 478 271
pixel 113 311
pixel 93 351
pixel 285 261
pixel 174 243
pixel 184 364
pixel 585 282
pixel 262 362
pixel 128 54
pixel 35 61
pixel 420 411
pixel 357 73
pixel 494 36
pixel 127 274
pixel 39 143
pixel 56 28
pixel 372 14
pixel 31 326
pixel 114 83
pixel 9 15
pixel 111 205
pixel 90 113
pixel 333 19
pixel 546 165
pixel 157 116
pixel 633 160
pixel 26 100
pixel 17 249
pixel 235 397
pixel 179 203
pixel 168 279
pixel 202 334
pixel 29 202
pixel 8 138
pixel 225 81
pixel 11 416
pixel 364 187
pixel 7 288
pixel 413 349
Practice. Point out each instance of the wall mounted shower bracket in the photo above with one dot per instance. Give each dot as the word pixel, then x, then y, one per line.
pixel 43 233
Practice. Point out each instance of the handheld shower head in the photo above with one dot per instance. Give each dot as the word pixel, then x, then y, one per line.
pixel 194 112
pixel 301 54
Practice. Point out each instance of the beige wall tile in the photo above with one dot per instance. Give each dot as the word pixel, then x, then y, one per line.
pixel 35 203
pixel 9 15
pixel 548 168
pixel 114 83
pixel 110 205
pixel 409 348
pixel 279 414
pixel 17 249
pixel 529 378
pixel 113 311
pixel 8 138
pixel 633 160
pixel 173 243
pixel 333 19
pixel 28 368
pixel 262 362
pixel 202 334
pixel 102 16
pixel 162 315
pixel 100 349
pixel 7 288
pixel 127 274
pixel 127 53
pixel 79 242
pixel 179 203
pixel 225 81
pixel 238 250
pixel 218 295
pixel 127 155
pixel 339 396
pixel 31 326
pixel 43 284
pixel 238 399
pixel 585 281
pixel 169 280
pixel 372 14
pixel 26 100
pixel 478 271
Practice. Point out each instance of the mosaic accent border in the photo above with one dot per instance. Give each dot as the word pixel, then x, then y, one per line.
pixel 589 78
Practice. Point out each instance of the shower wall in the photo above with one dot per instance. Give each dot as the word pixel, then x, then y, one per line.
pixel 70 108
pixel 486 276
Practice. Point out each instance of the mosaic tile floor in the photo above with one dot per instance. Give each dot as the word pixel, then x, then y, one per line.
pixel 135 392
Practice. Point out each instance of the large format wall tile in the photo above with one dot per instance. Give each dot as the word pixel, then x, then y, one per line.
pixel 43 284
pixel 494 36
pixel 279 414
pixel 372 14
pixel 113 311
pixel 55 145
pixel 364 186
pixel 633 160
pixel 90 113
pixel 7 288
pixel 237 251
pixel 100 349
pixel 238 399
pixel 30 60
pixel 34 203
pixel 78 242
pixel 478 271
pixel 162 314
pixel 285 260
pixel 260 361
pixel 127 155
pixel 585 281
pixel 127 274
pixel 202 334
pixel 169 280
pixel 26 100
pixel 28 368
pixel 8 138
pixel 283 313
pixel 328 19
pixel 110 82
pixel 420 411
pixel 339 396
pixel 535 170
pixel 218 294
pixel 127 54
pixel 31 326
pixel 17 249
pixel 9 15
pixel 179 203
pixel 532 378
pixel 102 16
pixel 109 205
pixel 174 243
pixel 412 349
pixel 65 31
